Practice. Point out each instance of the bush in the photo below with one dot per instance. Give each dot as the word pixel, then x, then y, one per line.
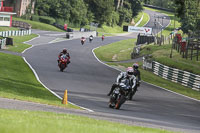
pixel 35 18
pixel 47 20
pixel 60 21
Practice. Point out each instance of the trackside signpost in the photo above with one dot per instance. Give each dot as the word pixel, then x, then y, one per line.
pixel 144 30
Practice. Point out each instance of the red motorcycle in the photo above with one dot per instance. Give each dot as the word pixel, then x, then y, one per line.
pixel 83 40
pixel 102 37
pixel 63 62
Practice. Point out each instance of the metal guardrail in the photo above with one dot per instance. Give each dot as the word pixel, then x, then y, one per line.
pixel 175 75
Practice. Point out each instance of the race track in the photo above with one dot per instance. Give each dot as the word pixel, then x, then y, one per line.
pixel 88 81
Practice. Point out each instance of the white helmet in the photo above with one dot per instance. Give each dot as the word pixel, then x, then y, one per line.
pixel 129 71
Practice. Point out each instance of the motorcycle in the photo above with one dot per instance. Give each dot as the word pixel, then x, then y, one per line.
pixel 133 90
pixel 83 40
pixel 102 38
pixel 118 96
pixel 63 62
pixel 90 39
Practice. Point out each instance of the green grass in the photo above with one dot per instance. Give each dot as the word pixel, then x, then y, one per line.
pixel 161 54
pixel 18 82
pixel 138 17
pixel 18 45
pixel 120 50
pixel 145 20
pixel 45 122
pixel 111 31
pixel 7 28
pixel 39 25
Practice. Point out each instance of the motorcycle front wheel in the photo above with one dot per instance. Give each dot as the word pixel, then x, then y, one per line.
pixel 120 101
pixel 62 67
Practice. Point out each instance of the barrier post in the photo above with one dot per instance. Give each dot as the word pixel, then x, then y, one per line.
pixel 64 101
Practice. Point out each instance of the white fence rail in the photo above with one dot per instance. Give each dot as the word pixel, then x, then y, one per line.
pixel 12 33
pixel 15 33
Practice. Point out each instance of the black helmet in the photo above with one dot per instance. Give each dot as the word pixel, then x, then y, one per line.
pixel 64 50
pixel 135 65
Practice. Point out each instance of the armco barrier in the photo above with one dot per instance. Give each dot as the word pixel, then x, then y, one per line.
pixel 185 78
pixel 15 33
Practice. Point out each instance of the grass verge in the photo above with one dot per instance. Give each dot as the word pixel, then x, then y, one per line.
pixel 33 122
pixel 17 81
pixel 111 31
pixel 162 55
pixel 7 28
pixel 144 20
pixel 120 51
pixel 39 25
pixel 18 45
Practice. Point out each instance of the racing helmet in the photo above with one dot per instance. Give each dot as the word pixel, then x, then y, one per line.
pixel 129 71
pixel 64 51
pixel 135 66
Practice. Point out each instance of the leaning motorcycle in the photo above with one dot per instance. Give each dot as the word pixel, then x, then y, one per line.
pixel 118 96
pixel 63 62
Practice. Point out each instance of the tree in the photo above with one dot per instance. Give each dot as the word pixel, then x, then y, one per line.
pixel 189 13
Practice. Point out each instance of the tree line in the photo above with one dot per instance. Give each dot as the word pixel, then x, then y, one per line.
pixel 83 12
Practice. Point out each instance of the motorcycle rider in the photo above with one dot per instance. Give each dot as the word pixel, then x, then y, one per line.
pixel 102 37
pixel 126 77
pixel 91 38
pixel 83 40
pixel 64 52
pixel 137 73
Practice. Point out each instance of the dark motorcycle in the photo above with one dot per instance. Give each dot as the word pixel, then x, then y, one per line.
pixel 133 91
pixel 118 96
pixel 63 62
pixel 90 39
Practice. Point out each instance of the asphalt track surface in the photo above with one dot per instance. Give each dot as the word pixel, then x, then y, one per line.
pixel 88 81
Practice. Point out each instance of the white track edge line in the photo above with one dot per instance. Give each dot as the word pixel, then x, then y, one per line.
pixel 37 77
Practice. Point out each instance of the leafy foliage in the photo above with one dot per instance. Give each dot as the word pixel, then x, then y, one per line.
pixel 83 12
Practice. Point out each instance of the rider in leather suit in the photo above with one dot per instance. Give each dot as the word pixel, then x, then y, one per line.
pixel 137 73
pixel 64 52
pixel 126 77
